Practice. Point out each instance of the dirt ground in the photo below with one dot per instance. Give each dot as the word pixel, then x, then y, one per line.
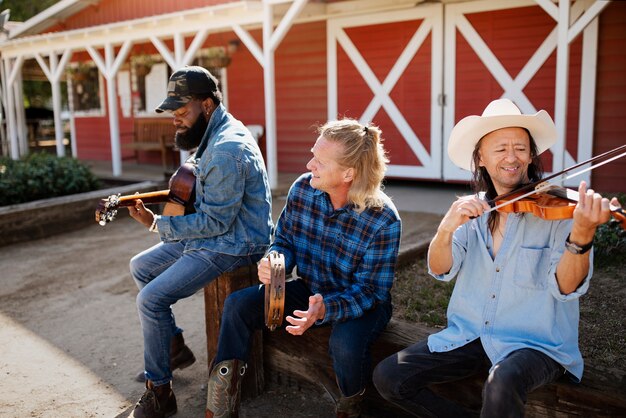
pixel 70 341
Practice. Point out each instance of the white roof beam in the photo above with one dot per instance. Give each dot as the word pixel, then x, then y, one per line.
pixel 192 21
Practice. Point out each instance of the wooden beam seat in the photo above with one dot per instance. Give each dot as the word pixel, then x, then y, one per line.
pixel 215 294
pixel 304 360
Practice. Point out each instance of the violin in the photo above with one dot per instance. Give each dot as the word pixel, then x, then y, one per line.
pixel 550 202
pixel 554 204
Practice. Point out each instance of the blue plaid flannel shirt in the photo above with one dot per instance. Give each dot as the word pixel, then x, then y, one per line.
pixel 347 257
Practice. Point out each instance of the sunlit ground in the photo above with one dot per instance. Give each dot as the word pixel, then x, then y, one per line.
pixel 32 367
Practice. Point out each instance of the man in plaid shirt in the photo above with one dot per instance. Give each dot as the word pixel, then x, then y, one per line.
pixel 342 233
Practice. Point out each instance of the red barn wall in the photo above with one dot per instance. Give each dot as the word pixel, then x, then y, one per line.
pixel 112 11
pixel 301 81
pixel 610 116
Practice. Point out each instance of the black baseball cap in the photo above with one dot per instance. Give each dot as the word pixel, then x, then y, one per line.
pixel 186 82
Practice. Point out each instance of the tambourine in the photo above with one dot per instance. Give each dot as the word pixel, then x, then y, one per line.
pixel 275 291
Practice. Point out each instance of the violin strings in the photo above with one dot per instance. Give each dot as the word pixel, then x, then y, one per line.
pixel 546 185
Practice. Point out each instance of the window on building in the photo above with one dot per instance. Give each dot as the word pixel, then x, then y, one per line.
pixel 149 76
pixel 85 88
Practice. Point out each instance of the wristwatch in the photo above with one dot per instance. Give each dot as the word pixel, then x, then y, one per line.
pixel 575 248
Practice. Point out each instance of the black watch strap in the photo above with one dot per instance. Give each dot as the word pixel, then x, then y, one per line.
pixel 575 248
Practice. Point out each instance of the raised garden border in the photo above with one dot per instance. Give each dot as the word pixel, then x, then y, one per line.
pixel 46 217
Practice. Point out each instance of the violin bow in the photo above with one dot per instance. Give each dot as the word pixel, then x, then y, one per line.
pixel 543 184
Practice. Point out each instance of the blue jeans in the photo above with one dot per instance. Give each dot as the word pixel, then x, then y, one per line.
pixel 349 344
pixel 403 378
pixel 164 275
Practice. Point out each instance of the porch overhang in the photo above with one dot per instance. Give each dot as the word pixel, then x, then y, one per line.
pixel 215 18
pixel 22 41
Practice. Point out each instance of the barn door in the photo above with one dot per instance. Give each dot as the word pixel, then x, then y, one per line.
pixel 509 49
pixel 387 68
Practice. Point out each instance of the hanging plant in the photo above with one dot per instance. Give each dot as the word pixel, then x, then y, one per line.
pixel 215 57
pixel 142 64
pixel 80 72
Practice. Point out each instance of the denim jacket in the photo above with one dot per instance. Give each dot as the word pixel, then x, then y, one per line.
pixel 233 197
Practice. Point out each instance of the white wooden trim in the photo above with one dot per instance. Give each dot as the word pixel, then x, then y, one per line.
pixel 270 97
pixel 250 43
pixel 271 39
pixel 558 39
pixel 11 68
pixel 562 87
pixel 450 171
pixel 216 17
pixel 587 99
pixel 331 70
pixel 431 16
pixel 285 24
pixel 109 67
pixel 4 137
pixel 20 114
pixel 53 71
pixel 590 14
pixel 550 8
pixel 196 44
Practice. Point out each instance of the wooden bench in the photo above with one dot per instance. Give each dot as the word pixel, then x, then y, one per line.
pixel 304 359
pixel 153 134
pixel 214 296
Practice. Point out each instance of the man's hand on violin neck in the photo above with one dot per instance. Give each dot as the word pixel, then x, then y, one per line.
pixel 591 211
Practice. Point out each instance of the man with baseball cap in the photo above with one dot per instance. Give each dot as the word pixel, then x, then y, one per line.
pixel 230 227
pixel 514 307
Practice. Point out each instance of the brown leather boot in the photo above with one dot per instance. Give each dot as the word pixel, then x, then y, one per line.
pixel 181 356
pixel 223 390
pixel 156 402
pixel 350 407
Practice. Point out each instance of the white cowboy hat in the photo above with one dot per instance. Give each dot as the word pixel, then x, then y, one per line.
pixel 501 113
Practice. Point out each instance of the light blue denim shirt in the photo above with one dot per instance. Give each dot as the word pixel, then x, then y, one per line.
pixel 233 196
pixel 513 301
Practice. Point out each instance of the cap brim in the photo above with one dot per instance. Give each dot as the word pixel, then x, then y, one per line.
pixel 171 103
pixel 466 134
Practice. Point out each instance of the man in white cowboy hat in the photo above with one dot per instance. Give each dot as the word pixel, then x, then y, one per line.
pixel 514 308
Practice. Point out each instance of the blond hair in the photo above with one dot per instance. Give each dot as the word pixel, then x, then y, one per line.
pixel 365 154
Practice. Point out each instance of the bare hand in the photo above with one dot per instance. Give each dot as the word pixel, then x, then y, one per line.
pixel 306 319
pixel 264 271
pixel 591 211
pixel 141 214
pixel 461 211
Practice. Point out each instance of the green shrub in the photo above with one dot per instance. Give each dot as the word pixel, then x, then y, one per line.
pixel 609 243
pixel 41 176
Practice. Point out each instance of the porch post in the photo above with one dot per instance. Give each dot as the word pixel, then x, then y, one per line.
pixel 562 77
pixel 11 120
pixel 270 96
pixel 53 72
pixel 109 69
pixel 271 40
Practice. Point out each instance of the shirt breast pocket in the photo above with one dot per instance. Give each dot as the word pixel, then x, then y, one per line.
pixel 346 253
pixel 533 265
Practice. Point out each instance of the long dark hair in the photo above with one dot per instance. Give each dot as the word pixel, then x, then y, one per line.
pixel 481 180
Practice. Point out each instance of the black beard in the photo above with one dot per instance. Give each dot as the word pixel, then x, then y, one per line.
pixel 191 138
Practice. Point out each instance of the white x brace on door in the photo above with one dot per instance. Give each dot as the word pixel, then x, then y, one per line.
pixel 380 107
pixel 456 19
